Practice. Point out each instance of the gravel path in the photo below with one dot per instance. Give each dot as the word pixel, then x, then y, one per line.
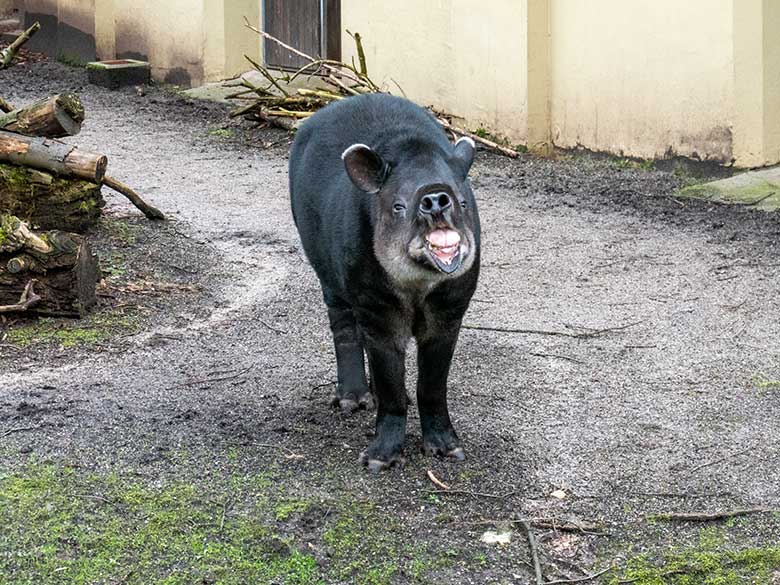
pixel 650 392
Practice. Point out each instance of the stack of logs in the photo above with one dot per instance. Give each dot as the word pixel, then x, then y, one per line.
pixel 49 195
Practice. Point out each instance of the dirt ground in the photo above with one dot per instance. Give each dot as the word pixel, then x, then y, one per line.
pixel 182 434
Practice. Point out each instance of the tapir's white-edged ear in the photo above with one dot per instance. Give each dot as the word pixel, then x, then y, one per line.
pixel 464 153
pixel 365 167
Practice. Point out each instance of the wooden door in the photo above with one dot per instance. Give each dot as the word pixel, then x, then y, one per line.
pixel 312 26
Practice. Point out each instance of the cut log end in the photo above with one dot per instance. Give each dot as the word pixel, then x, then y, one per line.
pixel 65 274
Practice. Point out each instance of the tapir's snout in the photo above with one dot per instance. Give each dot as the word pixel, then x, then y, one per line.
pixel 434 204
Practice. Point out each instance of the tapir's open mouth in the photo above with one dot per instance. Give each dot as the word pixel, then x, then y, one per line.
pixel 444 249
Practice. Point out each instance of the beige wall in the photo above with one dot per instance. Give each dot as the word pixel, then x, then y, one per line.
pixel 465 56
pixel 227 40
pixel 643 78
pixel 647 78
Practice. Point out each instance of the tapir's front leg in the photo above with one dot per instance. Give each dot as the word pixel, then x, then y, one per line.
pixel 386 357
pixel 434 355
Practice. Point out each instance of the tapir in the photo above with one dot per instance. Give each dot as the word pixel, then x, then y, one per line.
pixel 388 220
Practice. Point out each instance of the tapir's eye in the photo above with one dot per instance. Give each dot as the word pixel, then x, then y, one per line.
pixel 463 204
pixel 399 207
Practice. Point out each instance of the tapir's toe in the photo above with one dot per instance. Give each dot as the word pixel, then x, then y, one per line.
pixel 444 445
pixel 349 402
pixel 376 465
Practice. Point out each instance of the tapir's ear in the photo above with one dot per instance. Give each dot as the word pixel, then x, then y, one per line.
pixel 365 167
pixel 464 153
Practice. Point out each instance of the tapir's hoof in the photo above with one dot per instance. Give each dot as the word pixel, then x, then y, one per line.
pixel 444 446
pixel 377 465
pixel 350 403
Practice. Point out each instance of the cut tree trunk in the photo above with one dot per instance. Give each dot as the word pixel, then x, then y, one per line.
pixel 54 117
pixel 52 155
pixel 62 265
pixel 47 202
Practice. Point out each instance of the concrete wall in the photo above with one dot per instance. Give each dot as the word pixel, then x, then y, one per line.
pixel 467 57
pixel 187 42
pixel 643 78
pixel 648 77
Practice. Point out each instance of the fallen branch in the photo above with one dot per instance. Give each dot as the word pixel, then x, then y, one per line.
pixel 534 554
pixel 27 300
pixel 706 517
pixel 149 211
pixel 489 143
pixel 436 481
pixel 7 55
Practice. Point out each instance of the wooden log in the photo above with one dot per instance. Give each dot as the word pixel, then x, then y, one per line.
pixel 7 55
pixel 52 155
pixel 47 202
pixel 5 107
pixel 53 117
pixel 61 264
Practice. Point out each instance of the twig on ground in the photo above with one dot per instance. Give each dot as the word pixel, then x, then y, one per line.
pixel 707 517
pixel 474 494
pixel 149 211
pixel 218 379
pixel 274 329
pixel 579 526
pixel 19 430
pixel 26 301
pixel 680 495
pixel 436 481
pixel 557 356
pixel 580 579
pixel 534 553
pixel 722 459
pixel 585 335
pixel 289 453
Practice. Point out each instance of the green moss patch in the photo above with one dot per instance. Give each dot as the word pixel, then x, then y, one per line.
pixel 95 328
pixel 709 563
pixel 63 525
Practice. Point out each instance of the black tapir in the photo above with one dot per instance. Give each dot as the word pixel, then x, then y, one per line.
pixel 388 220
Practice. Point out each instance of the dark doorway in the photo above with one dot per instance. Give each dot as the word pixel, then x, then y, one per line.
pixel 312 26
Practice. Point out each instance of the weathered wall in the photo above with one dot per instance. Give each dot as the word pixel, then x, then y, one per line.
pixel 646 78
pixel 226 38
pixel 465 56
pixel 167 34
pixel 6 7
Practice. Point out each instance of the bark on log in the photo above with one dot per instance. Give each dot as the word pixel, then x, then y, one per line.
pixel 52 155
pixel 47 202
pixel 62 265
pixel 54 117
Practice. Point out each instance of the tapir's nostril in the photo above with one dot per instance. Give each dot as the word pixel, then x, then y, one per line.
pixel 435 202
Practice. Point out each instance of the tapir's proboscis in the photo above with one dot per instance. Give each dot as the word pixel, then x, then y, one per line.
pixel 388 220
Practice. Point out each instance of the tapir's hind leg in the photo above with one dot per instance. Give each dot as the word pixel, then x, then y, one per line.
pixel 352 392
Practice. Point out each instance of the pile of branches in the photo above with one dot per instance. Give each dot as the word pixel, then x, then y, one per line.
pixel 281 103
